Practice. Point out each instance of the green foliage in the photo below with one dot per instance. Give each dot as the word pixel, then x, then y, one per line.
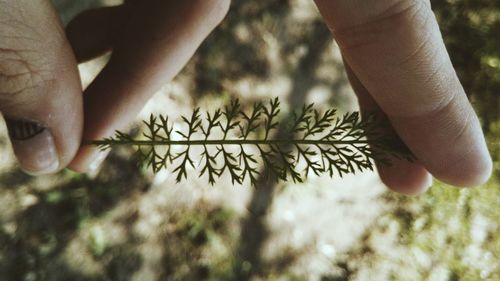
pixel 238 143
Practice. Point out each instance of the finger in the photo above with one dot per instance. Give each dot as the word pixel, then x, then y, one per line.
pixel 396 50
pixel 401 176
pixel 92 32
pixel 153 45
pixel 40 92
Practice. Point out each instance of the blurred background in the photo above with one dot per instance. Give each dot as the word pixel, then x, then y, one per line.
pixel 125 223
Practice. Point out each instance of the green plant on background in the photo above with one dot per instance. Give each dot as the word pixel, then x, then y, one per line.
pixel 314 141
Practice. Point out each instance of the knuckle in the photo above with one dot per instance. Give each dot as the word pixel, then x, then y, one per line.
pixel 22 66
pixel 20 70
pixel 30 53
pixel 17 72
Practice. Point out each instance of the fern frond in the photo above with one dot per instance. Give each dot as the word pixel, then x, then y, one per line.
pixel 243 144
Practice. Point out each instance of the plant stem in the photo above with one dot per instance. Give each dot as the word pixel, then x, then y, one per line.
pixel 225 142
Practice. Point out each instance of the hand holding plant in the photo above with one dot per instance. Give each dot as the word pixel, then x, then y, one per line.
pixel 393 52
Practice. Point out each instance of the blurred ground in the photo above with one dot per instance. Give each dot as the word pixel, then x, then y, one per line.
pixel 127 224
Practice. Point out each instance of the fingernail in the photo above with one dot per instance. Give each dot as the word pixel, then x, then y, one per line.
pixel 96 164
pixel 429 182
pixel 33 145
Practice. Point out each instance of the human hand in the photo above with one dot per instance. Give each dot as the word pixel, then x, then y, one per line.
pixel 398 65
pixel 40 91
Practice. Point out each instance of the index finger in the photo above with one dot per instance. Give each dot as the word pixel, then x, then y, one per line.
pixel 396 50
pixel 153 42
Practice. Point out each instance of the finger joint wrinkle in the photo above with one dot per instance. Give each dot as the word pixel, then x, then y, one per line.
pixel 17 75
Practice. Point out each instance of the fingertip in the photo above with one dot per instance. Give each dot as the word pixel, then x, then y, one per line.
pixel 453 148
pixel 34 147
pixel 484 172
pixel 472 171
pixel 79 163
pixel 88 160
pixel 405 177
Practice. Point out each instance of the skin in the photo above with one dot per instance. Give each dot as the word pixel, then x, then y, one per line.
pixel 393 52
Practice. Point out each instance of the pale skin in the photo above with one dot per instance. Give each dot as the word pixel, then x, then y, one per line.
pixel 393 51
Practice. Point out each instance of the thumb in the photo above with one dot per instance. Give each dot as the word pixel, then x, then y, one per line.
pixel 40 90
